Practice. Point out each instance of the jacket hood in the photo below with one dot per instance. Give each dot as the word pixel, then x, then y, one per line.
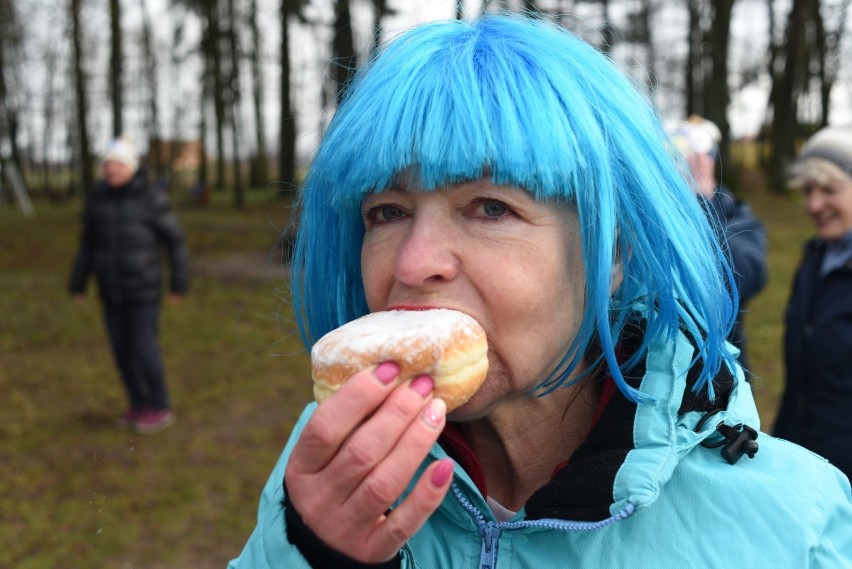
pixel 633 449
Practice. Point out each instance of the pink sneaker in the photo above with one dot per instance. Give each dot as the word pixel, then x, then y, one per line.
pixel 128 418
pixel 152 421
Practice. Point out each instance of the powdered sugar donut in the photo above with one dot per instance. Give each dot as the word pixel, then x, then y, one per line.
pixel 448 345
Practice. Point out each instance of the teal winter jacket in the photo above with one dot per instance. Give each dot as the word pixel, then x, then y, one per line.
pixel 641 492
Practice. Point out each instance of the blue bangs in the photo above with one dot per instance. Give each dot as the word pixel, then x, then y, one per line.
pixel 527 104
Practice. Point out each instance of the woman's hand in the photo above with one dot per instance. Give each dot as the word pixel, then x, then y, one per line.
pixel 356 456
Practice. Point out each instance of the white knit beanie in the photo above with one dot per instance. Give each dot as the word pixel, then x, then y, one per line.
pixel 696 135
pixel 122 150
pixel 834 144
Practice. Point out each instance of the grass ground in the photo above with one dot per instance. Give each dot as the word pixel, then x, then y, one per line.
pixel 75 492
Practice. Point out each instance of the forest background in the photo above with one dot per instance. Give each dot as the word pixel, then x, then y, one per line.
pixel 227 99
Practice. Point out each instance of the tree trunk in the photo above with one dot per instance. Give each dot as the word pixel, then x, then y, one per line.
pixel 213 65
pixel 258 174
pixel 645 18
pixel 532 6
pixel 786 94
pixel 343 49
pixel 608 37
pixel 10 101
pixel 234 104
pixel 717 97
pixel 47 131
pixel 116 64
pixel 85 155
pixel 828 42
pixel 694 71
pixel 287 134
pixel 151 72
pixel 203 175
pixel 821 62
pixel 381 10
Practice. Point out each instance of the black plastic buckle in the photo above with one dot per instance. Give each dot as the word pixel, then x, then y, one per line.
pixel 736 441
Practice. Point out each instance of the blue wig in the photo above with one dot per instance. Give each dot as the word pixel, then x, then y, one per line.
pixel 527 103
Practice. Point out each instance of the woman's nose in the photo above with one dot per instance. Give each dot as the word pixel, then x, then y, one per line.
pixel 428 254
pixel 814 201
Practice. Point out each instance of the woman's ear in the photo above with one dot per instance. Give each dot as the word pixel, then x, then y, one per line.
pixel 617 275
pixel 616 278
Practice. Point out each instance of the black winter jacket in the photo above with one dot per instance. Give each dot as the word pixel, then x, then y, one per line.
pixel 743 237
pixel 124 231
pixel 816 410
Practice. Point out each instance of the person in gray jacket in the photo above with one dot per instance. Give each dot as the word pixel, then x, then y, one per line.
pixel 127 222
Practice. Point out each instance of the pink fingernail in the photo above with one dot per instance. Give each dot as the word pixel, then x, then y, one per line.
pixel 442 473
pixel 434 412
pixel 423 385
pixel 386 372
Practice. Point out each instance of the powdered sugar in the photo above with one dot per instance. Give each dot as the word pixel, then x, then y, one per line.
pixel 430 329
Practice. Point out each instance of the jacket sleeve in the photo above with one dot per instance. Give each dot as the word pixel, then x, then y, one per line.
pixel 747 246
pixel 835 546
pixel 83 261
pixel 169 230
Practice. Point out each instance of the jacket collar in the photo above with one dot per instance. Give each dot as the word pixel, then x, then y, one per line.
pixel 632 451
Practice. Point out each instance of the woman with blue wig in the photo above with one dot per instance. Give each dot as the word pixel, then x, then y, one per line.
pixel 504 168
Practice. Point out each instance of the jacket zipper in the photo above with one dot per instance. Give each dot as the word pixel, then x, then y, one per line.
pixel 490 532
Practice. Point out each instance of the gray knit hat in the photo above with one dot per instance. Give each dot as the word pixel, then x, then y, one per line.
pixel 834 144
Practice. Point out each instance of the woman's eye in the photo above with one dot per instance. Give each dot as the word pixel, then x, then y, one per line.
pixel 490 208
pixel 384 213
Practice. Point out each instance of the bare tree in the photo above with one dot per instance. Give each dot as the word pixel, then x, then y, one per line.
pixel 345 60
pixel 211 47
pixel 213 83
pixel 50 60
pixel 86 161
pixel 607 31
pixel 706 72
pixel 287 134
pixel 694 69
pixel 10 110
pixel 787 86
pixel 382 9
pixel 639 30
pixel 151 78
pixel 258 174
pixel 116 67
pixel 233 102
pixel 717 90
pixel 826 50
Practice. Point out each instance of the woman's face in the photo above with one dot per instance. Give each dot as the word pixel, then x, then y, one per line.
pixel 491 251
pixel 830 208
pixel 117 174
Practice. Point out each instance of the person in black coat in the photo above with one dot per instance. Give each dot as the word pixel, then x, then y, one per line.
pixel 815 408
pixel 127 223
pixel 741 234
